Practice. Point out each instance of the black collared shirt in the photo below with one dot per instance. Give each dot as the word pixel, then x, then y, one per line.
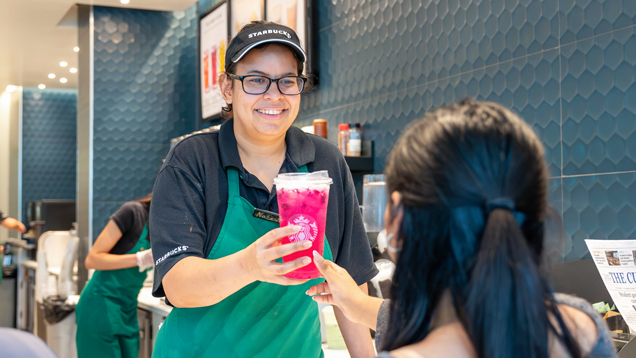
pixel 131 218
pixel 190 197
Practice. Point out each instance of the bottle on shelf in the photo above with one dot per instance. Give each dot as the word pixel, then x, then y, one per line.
pixel 320 128
pixel 343 138
pixel 355 141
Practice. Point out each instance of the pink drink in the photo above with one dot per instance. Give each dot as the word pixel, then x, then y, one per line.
pixel 302 201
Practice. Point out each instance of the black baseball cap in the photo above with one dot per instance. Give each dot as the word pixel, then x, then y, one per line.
pixel 247 39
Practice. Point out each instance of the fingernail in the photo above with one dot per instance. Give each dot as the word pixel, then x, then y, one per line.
pixel 307 243
pixel 295 227
pixel 317 256
pixel 307 292
pixel 306 260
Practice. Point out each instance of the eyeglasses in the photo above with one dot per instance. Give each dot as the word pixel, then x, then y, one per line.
pixel 255 84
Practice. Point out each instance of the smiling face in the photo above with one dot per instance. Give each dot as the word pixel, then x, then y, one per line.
pixel 268 115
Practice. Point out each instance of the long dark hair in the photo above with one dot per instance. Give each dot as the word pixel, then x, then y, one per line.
pixel 447 167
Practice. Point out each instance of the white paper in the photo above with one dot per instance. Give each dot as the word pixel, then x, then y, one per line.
pixel 213 44
pixel 616 262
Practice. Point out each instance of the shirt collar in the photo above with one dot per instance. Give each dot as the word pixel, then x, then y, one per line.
pixel 300 149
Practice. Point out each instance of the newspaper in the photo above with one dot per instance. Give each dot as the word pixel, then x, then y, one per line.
pixel 616 262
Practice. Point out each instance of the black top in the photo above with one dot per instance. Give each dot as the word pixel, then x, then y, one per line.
pixel 131 219
pixel 604 347
pixel 191 193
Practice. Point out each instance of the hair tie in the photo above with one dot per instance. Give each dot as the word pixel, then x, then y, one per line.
pixel 503 202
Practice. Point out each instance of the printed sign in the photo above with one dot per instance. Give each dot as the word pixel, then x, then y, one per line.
pixel 616 262
pixel 214 40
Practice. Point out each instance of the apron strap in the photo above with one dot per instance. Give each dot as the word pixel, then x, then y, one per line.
pixel 303 169
pixel 233 182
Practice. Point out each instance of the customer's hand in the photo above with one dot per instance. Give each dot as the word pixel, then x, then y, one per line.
pixel 261 257
pixel 339 290
pixel 13 224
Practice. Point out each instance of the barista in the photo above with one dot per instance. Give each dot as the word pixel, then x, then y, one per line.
pixel 217 261
pixel 107 310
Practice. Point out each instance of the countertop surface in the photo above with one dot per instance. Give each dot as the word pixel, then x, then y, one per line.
pixel 153 304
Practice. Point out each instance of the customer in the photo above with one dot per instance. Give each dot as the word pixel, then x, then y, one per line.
pixel 468 187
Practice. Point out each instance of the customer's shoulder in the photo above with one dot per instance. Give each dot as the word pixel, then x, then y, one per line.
pixel 573 301
pixel 584 323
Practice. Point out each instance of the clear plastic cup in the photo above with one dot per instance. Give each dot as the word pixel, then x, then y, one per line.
pixel 302 201
pixel 374 202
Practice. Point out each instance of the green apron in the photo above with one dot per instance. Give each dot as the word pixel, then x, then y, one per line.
pixel 106 313
pixel 261 319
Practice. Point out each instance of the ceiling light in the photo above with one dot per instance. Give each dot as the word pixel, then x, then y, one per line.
pixel 11 88
pixel 51 75
pixel 63 64
pixel 73 70
pixel 63 80
pixel 125 1
pixel 76 49
pixel 41 86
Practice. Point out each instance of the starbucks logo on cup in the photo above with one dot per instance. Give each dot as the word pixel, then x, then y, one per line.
pixel 308 231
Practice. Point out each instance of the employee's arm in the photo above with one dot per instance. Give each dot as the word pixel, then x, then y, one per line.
pixel 12 224
pixel 198 282
pixel 100 259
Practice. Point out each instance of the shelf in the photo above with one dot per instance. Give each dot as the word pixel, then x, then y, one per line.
pixel 360 164
pixel 363 163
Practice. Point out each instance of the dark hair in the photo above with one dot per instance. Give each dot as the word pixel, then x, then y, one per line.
pixel 226 111
pixel 446 167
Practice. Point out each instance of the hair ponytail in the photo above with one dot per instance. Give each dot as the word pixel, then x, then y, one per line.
pixel 505 307
pixel 447 166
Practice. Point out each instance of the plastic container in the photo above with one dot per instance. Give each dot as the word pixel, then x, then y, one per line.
pixel 302 201
pixel 374 198
pixel 355 141
pixel 320 128
pixel 343 138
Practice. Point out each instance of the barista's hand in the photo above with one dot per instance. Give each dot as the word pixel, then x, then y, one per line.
pixel 13 224
pixel 261 257
pixel 144 260
pixel 339 290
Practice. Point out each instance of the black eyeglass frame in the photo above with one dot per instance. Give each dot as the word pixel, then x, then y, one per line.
pixel 241 78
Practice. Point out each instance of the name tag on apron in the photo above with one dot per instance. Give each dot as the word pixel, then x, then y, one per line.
pixel 266 215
